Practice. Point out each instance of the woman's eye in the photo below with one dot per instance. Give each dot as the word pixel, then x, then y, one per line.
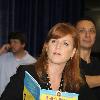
pixel 53 41
pixel 65 43
pixel 82 31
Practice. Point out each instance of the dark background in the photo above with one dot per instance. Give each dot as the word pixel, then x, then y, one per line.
pixel 36 17
pixel 92 9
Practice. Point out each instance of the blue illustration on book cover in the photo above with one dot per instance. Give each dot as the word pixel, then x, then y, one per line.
pixel 31 88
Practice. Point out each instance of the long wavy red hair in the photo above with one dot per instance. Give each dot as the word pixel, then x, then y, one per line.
pixel 71 73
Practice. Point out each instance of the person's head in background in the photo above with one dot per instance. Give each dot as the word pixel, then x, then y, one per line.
pixel 17 42
pixel 61 48
pixel 87 31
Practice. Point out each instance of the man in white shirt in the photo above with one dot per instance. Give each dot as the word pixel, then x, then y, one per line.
pixel 10 61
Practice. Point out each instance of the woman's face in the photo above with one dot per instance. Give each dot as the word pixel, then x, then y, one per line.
pixel 60 50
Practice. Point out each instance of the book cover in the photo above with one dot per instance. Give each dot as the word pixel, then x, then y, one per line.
pixel 31 88
pixel 57 95
pixel 33 91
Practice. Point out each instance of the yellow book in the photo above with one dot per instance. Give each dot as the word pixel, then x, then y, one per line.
pixel 57 95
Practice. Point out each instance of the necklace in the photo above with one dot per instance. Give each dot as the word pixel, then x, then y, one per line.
pixel 48 85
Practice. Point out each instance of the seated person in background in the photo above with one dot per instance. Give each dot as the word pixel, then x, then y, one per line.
pixel 10 61
pixel 57 68
pixel 90 65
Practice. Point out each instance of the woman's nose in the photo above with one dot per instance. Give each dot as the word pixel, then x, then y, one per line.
pixel 58 45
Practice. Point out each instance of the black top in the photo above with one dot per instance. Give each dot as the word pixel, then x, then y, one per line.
pixel 92 69
pixel 14 90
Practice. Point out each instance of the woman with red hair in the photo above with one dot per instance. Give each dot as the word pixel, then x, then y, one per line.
pixel 57 68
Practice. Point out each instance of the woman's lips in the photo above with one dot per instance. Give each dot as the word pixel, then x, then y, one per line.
pixel 56 53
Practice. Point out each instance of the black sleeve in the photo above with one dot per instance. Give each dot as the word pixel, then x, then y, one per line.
pixel 14 89
pixel 86 93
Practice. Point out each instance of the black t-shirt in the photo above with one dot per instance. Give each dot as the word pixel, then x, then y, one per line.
pixel 92 69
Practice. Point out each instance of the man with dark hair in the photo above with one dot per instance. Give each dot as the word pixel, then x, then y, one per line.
pixel 17 35
pixel 89 65
pixel 10 61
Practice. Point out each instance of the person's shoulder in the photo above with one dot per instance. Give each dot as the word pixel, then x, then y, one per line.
pixel 26 67
pixel 29 68
pixel 30 58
